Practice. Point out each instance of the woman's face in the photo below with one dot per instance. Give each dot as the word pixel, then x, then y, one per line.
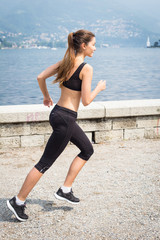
pixel 90 48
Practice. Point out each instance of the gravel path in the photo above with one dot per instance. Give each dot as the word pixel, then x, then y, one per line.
pixel 119 190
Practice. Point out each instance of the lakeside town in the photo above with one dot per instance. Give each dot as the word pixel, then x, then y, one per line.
pixel 9 40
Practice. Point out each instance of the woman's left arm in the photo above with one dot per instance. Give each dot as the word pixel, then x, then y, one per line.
pixel 86 93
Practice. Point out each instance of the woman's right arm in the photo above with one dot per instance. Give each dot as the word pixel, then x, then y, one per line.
pixel 50 71
pixel 87 94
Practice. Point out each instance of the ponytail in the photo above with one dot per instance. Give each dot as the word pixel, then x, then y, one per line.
pixel 67 63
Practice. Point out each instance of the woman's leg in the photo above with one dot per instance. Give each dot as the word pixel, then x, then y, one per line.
pixel 65 192
pixel 80 139
pixel 16 204
pixel 32 178
pixel 74 169
pixel 55 145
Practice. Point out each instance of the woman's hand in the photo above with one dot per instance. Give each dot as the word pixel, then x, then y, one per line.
pixel 48 101
pixel 101 85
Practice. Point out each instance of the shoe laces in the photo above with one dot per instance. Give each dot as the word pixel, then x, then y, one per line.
pixel 23 207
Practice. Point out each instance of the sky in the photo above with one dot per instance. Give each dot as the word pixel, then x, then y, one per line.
pixel 145 12
pixel 149 7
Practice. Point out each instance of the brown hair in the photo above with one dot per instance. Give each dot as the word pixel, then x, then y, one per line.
pixel 74 46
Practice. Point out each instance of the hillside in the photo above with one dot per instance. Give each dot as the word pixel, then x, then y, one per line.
pixel 110 21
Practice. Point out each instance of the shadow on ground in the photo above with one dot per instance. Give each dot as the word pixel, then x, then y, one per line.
pixel 47 206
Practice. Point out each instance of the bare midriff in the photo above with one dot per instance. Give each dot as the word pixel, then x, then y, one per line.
pixel 69 99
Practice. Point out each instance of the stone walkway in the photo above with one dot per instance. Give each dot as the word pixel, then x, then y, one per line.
pixel 119 190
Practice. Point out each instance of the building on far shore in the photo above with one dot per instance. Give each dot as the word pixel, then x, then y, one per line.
pixel 148 42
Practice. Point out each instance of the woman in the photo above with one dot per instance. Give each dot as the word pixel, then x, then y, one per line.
pixel 74 77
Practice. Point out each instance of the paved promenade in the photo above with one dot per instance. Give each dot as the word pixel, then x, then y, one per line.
pixel 119 189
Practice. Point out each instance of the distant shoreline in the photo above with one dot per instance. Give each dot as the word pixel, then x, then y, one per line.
pixel 55 49
pixel 153 47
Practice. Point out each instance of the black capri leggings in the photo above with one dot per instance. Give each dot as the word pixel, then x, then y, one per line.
pixel 65 129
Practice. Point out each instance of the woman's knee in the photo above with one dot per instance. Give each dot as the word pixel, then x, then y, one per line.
pixel 44 164
pixel 91 151
pixel 87 153
pixel 42 168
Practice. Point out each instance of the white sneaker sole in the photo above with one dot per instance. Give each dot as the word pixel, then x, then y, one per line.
pixel 14 212
pixel 64 199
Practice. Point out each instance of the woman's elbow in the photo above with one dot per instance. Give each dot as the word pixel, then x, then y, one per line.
pixel 85 102
pixel 39 78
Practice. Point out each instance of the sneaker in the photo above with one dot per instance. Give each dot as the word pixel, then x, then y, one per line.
pixel 69 197
pixel 17 210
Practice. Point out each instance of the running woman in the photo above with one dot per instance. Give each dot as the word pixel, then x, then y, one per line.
pixel 74 77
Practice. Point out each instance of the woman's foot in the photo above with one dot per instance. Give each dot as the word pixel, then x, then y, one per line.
pixel 18 210
pixel 69 197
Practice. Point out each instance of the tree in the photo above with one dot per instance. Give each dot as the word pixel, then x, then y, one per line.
pixel 156 44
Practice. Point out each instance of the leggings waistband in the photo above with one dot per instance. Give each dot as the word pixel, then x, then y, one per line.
pixel 73 113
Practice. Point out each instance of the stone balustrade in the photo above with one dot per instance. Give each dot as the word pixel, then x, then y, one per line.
pixel 27 125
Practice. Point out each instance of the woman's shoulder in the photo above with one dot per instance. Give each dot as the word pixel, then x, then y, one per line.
pixel 87 71
pixel 87 67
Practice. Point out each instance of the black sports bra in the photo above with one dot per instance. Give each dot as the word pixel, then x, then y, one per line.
pixel 74 82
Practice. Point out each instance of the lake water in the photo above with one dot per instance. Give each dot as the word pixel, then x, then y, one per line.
pixel 130 73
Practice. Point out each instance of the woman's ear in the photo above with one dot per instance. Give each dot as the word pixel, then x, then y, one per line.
pixel 83 46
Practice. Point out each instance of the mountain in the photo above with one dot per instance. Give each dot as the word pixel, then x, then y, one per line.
pixel 111 21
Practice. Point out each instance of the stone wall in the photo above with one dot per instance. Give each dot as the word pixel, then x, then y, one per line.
pixel 27 125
